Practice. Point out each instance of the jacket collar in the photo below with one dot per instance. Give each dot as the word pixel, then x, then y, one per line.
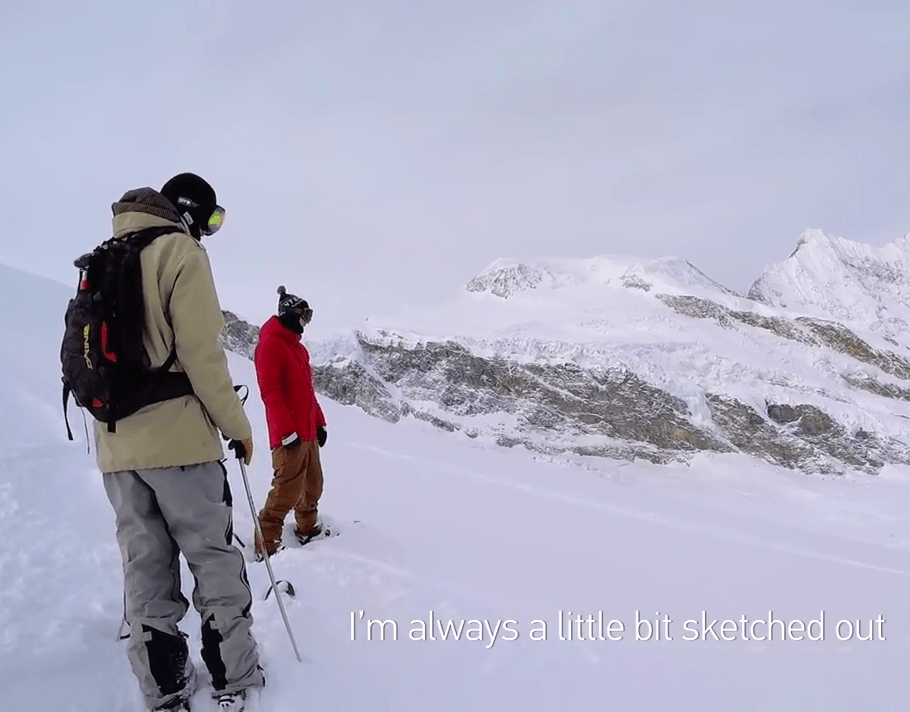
pixel 275 328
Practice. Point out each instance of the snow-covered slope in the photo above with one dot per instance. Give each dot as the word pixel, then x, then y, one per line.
pixel 565 303
pixel 461 531
pixel 834 278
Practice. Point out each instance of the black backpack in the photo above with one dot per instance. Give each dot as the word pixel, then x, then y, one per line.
pixel 105 364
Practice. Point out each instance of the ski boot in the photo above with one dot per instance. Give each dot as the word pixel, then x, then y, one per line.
pixel 231 702
pixel 316 532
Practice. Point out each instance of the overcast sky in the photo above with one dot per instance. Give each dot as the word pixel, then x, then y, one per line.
pixel 376 153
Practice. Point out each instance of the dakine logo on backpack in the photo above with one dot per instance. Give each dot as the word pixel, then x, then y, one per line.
pixel 105 365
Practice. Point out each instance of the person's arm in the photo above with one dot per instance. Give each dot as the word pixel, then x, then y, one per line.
pixel 197 321
pixel 321 434
pixel 268 360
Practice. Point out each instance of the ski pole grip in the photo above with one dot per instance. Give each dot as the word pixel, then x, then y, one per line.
pixel 238 448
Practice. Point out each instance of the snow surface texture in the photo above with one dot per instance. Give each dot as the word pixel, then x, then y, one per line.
pixel 616 357
pixel 462 531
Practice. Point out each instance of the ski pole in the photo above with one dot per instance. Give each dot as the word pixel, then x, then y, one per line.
pixel 268 563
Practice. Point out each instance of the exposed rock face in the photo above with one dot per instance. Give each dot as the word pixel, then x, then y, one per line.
pixel 239 336
pixel 806 330
pixel 750 432
pixel 817 429
pixel 840 338
pixel 600 412
pixel 545 404
pixel 506 281
pixel 350 383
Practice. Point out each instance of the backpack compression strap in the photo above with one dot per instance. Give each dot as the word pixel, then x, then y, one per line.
pixel 179 386
pixel 160 384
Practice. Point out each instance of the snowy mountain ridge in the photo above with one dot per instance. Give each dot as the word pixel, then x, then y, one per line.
pixel 615 356
pixel 506 277
pixel 835 278
pixel 825 276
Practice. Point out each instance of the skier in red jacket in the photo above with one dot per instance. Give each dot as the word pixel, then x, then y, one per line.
pixel 296 424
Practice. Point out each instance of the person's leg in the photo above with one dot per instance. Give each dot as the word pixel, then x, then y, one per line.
pixel 288 483
pixel 157 649
pixel 196 503
pixel 306 511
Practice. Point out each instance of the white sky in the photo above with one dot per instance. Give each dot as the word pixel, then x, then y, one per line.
pixel 372 154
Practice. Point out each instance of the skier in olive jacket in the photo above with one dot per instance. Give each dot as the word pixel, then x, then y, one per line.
pixel 296 424
pixel 162 467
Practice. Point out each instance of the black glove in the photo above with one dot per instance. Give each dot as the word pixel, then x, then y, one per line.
pixel 291 441
pixel 243 449
pixel 321 435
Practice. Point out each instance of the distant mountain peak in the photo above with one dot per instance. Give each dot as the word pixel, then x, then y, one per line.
pixel 507 277
pixel 835 278
pixel 809 237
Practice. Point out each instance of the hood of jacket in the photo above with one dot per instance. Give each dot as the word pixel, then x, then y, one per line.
pixel 143 208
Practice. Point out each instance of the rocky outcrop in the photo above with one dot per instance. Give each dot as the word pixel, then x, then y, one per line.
pixel 506 280
pixel 805 330
pixel 750 432
pixel 551 403
pixel 839 338
pixel 350 383
pixel 238 335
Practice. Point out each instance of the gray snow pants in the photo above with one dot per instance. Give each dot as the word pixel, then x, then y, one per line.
pixel 162 513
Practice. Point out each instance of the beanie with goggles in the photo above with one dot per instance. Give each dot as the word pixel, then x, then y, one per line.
pixel 293 312
pixel 196 203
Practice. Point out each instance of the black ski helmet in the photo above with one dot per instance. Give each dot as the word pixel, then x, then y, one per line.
pixel 196 203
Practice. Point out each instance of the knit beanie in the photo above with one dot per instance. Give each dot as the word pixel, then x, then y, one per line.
pixel 289 302
pixel 193 198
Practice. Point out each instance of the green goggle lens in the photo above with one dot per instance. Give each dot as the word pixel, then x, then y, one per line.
pixel 216 220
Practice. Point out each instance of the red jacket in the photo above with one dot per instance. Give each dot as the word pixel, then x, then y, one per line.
pixel 286 384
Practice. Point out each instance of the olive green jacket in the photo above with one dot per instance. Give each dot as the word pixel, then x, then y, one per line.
pixel 181 310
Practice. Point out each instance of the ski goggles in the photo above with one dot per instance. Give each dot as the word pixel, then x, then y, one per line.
pixel 305 314
pixel 216 220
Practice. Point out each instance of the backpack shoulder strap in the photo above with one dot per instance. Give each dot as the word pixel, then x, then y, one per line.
pixel 147 235
pixel 144 238
pixel 170 361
